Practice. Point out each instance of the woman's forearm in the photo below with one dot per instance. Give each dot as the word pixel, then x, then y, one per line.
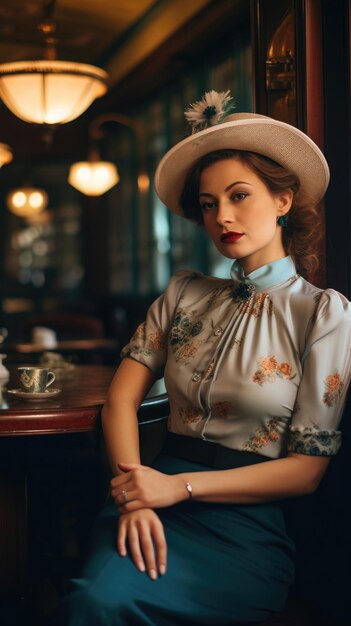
pixel 294 475
pixel 129 386
pixel 121 434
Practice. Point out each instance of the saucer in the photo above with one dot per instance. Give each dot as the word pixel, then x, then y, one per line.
pixel 40 395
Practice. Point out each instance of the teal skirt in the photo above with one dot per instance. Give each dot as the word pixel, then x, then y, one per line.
pixel 227 564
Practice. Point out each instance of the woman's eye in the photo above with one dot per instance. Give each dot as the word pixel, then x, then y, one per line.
pixel 240 196
pixel 207 206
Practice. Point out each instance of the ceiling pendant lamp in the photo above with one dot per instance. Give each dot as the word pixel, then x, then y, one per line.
pixel 50 91
pixel 27 201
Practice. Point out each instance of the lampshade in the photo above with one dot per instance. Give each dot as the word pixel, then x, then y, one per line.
pixel 50 92
pixel 26 201
pixel 5 154
pixel 93 177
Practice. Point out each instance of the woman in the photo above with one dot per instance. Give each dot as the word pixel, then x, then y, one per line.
pixel 256 369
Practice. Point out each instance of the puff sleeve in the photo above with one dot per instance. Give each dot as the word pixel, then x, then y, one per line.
pixel 326 367
pixel 149 342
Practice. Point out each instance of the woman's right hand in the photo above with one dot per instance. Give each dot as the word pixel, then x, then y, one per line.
pixel 142 533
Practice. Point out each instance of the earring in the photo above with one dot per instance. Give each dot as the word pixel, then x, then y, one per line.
pixel 282 220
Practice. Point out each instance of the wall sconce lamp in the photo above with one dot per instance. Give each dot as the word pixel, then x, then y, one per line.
pixel 27 201
pixel 94 177
pixel 6 155
pixel 50 91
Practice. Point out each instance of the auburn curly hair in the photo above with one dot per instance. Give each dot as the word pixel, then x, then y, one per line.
pixel 302 233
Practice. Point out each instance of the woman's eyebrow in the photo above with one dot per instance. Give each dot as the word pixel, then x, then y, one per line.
pixel 237 182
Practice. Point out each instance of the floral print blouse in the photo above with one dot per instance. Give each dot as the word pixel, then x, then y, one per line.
pixel 259 362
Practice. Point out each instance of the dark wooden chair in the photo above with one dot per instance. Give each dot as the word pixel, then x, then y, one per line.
pixel 66 325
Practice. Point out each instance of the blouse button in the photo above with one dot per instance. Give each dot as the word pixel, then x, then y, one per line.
pixel 196 376
pixel 218 331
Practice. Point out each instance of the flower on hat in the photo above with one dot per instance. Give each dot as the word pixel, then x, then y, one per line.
pixel 210 110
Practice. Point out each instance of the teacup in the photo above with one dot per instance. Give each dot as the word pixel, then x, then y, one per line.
pixel 35 379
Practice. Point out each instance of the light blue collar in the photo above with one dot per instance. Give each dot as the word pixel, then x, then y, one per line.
pixel 266 276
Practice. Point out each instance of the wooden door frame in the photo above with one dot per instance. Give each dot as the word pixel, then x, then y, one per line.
pixel 323 111
pixel 337 123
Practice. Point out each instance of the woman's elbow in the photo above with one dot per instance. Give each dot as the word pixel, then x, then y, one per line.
pixel 312 485
pixel 312 470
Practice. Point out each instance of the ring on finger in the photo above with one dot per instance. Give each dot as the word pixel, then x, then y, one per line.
pixel 125 495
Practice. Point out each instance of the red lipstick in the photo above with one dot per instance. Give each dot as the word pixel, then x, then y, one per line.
pixel 231 237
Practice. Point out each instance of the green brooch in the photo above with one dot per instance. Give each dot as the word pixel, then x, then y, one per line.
pixel 244 291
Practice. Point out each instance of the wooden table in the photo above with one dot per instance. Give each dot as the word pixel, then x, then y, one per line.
pixel 75 410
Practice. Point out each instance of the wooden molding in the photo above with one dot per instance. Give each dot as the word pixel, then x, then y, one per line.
pixel 166 20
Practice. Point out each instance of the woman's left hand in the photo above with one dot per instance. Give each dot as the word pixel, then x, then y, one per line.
pixel 140 486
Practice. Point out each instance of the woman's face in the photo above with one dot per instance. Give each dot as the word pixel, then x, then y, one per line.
pixel 240 213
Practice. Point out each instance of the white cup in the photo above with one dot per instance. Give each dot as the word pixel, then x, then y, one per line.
pixel 44 336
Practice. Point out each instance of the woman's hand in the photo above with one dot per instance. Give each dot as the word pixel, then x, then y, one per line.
pixel 140 486
pixel 142 531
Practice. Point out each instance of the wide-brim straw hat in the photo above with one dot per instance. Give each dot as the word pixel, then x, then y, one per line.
pixel 281 142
